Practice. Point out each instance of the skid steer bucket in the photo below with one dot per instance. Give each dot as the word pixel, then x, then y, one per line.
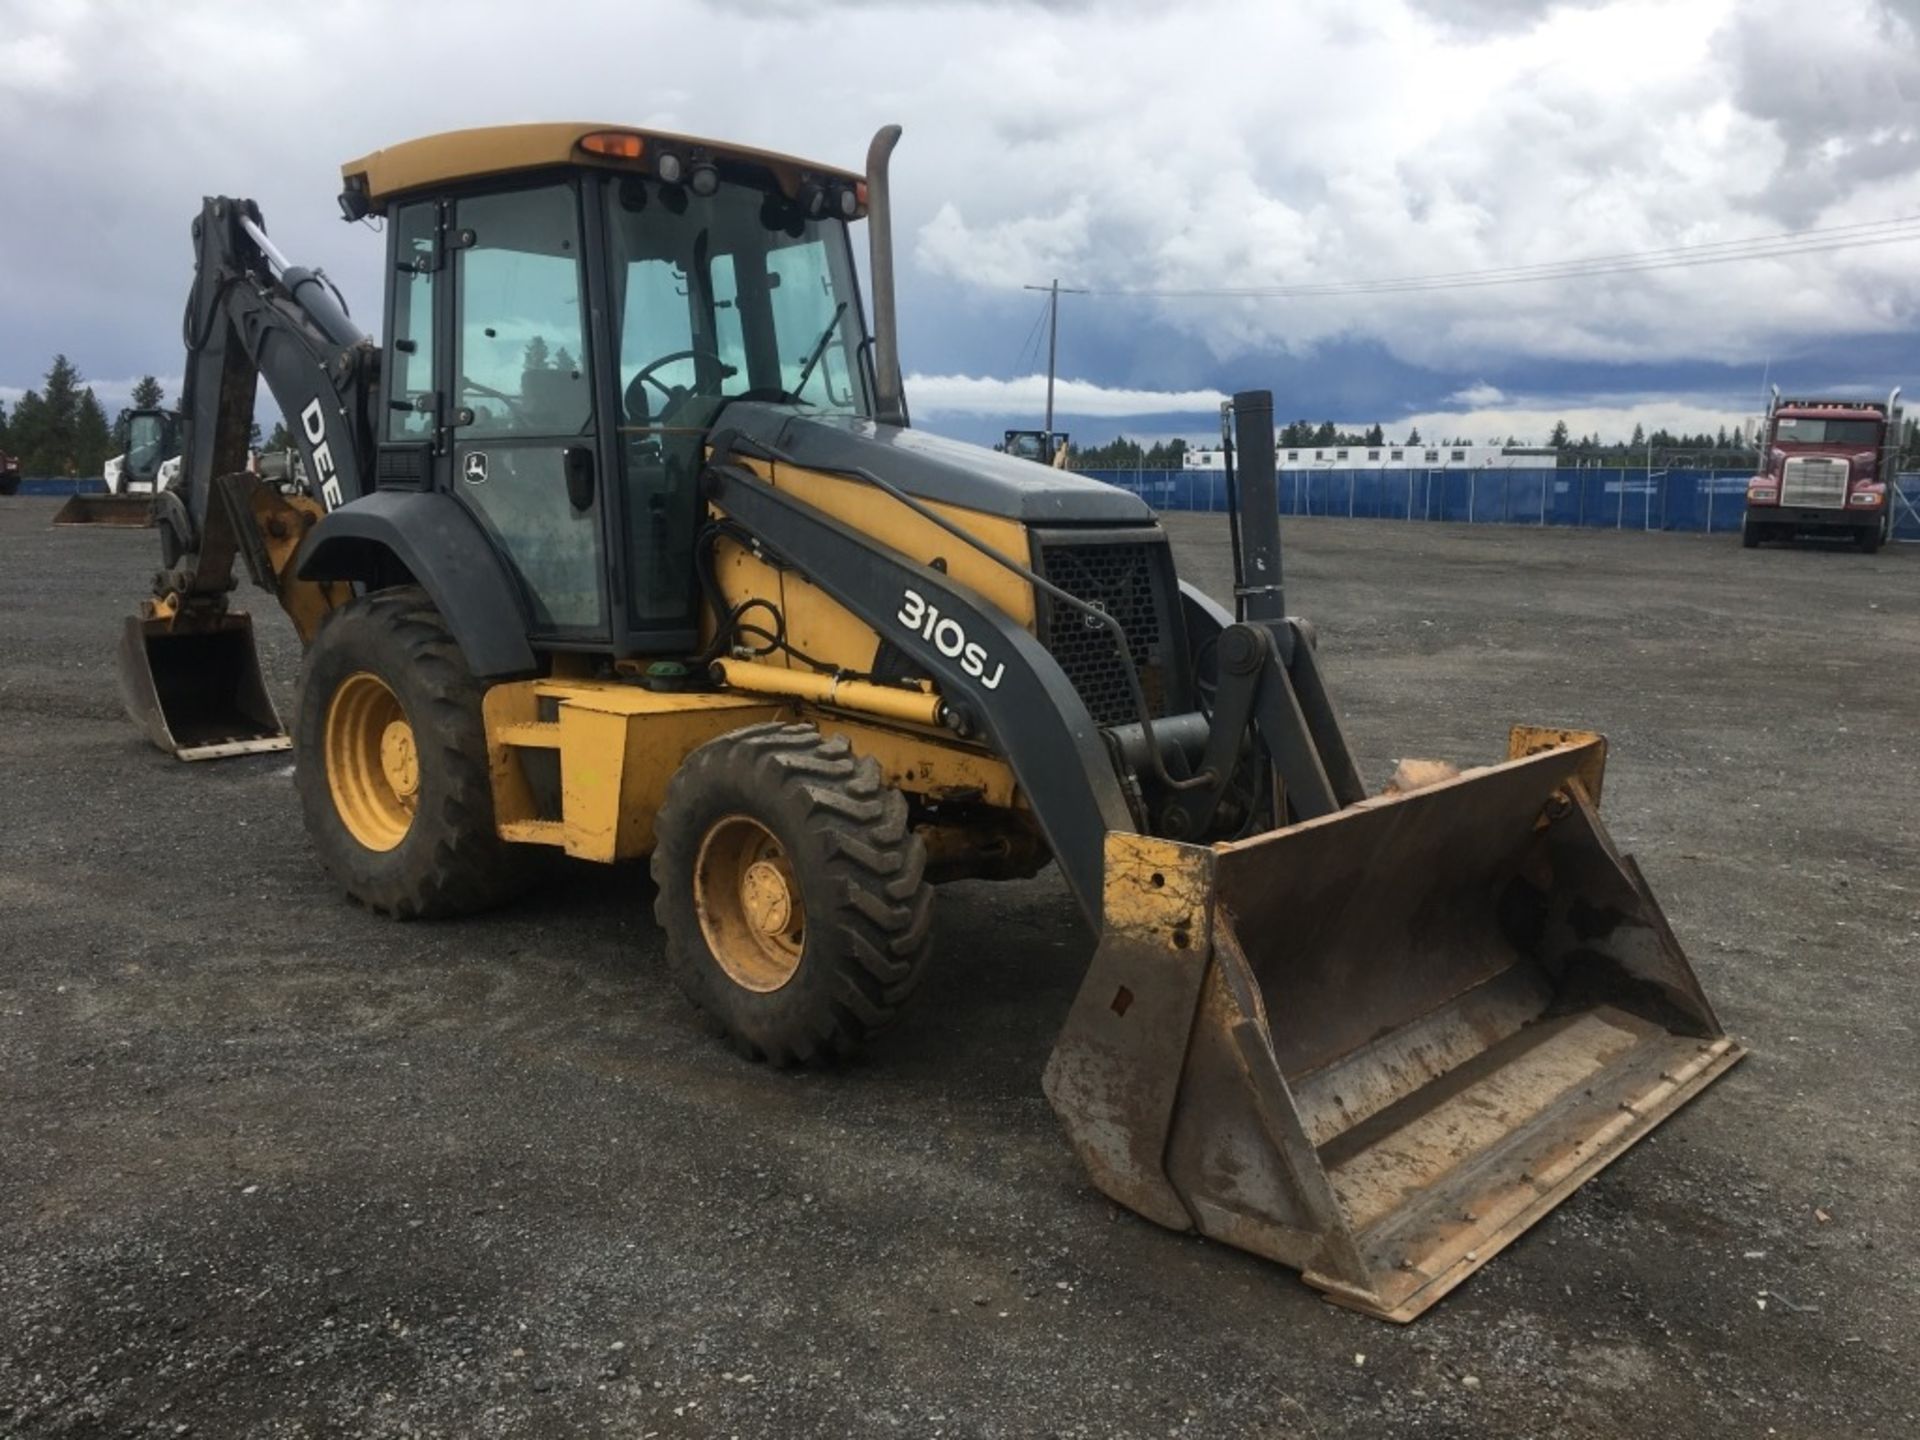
pixel 129 512
pixel 1379 1045
pixel 195 687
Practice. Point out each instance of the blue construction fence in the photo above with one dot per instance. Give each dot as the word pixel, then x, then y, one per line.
pixel 1707 501
pixel 62 485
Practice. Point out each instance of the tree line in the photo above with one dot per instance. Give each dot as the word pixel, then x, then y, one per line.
pixel 60 427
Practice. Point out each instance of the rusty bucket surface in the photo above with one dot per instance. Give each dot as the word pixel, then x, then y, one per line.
pixel 124 511
pixel 196 688
pixel 1378 1046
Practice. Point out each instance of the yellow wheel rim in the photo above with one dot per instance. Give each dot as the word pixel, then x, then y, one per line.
pixel 373 763
pixel 749 904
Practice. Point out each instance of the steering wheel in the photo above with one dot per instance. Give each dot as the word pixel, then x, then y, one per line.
pixel 674 395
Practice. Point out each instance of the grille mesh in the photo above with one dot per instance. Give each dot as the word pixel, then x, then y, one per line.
pixel 1811 480
pixel 1119 577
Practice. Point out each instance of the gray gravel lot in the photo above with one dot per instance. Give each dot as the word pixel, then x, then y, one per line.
pixel 270 1166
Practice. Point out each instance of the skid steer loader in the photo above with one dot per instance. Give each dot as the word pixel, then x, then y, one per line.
pixel 620 545
pixel 150 463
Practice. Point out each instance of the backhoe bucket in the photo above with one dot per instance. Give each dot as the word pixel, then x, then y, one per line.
pixel 1378 1046
pixel 129 512
pixel 195 687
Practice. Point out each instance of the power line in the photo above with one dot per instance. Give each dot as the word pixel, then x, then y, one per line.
pixel 1032 342
pixel 1720 252
pixel 1053 292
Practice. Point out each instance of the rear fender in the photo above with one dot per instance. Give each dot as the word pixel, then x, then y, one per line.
pixel 406 536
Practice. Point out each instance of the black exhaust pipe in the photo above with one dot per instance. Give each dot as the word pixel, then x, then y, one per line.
pixel 1257 591
pixel 890 398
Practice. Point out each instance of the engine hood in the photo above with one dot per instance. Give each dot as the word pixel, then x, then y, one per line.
pixel 930 467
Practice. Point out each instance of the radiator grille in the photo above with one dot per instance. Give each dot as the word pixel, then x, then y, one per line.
pixel 1122 578
pixel 1814 480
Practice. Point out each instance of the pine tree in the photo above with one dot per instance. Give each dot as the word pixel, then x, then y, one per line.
pixel 536 354
pixel 148 394
pixel 26 428
pixel 1558 439
pixel 45 422
pixel 280 439
pixel 6 433
pixel 1413 436
pixel 92 440
pixel 1639 440
pixel 563 361
pixel 1375 436
pixel 1326 434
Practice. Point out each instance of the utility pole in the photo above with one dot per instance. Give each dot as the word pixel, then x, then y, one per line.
pixel 1053 293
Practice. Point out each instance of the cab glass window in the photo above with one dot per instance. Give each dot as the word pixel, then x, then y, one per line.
pixel 520 341
pixel 410 355
pixel 733 295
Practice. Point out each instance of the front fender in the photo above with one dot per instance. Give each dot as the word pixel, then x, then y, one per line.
pixel 400 536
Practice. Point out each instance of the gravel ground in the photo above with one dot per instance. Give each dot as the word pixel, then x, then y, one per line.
pixel 270 1166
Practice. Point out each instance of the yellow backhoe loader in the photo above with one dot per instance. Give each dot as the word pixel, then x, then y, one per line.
pixel 619 544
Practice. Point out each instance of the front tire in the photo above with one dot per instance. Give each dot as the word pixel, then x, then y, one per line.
pixel 391 763
pixel 1750 536
pixel 792 891
pixel 1870 541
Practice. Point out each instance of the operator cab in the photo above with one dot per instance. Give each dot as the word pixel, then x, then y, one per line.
pixel 724 275
pixel 152 438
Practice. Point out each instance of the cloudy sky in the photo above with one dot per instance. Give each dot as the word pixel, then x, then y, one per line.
pixel 1125 148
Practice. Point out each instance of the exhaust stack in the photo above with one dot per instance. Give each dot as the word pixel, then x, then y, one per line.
pixel 891 397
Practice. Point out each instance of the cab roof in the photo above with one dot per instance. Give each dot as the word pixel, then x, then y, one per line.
pixel 434 161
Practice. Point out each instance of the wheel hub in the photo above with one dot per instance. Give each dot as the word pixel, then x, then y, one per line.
pixel 372 761
pixel 399 760
pixel 749 903
pixel 765 897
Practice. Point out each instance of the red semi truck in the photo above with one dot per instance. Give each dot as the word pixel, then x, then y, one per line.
pixel 1826 467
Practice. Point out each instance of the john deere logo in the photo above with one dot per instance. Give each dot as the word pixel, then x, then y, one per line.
pixel 476 468
pixel 1091 620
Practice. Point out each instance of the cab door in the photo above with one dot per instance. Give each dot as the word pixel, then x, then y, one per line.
pixel 524 455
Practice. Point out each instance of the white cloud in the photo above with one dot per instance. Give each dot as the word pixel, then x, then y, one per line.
pixel 1220 143
pixel 1393 143
pixel 1477 396
pixel 931 395
pixel 36 64
pixel 1612 419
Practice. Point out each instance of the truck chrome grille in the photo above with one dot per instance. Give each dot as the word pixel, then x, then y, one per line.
pixel 1814 480
pixel 1124 578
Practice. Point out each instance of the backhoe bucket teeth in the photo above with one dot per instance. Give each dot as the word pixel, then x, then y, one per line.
pixel 1379 1045
pixel 195 687
pixel 129 512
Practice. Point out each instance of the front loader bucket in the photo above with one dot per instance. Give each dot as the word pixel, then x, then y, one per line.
pixel 195 687
pixel 125 511
pixel 1379 1045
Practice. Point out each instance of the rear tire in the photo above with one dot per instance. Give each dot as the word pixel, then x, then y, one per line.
pixel 792 891
pixel 391 763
